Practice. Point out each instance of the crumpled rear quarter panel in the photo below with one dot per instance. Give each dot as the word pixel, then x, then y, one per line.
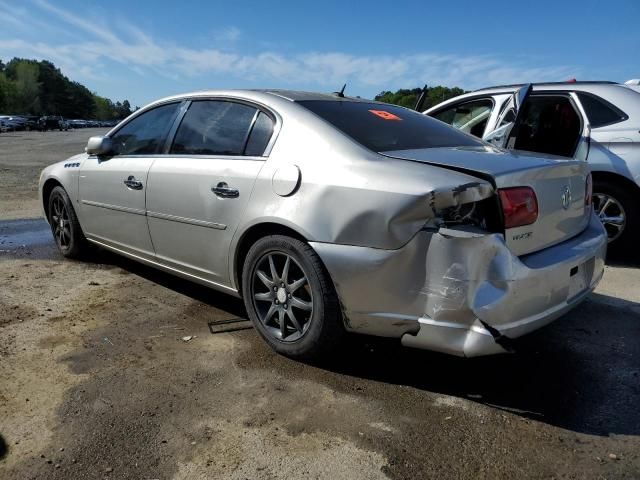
pixel 444 288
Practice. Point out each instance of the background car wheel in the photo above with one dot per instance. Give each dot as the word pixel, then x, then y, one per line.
pixel 619 213
pixel 290 298
pixel 65 226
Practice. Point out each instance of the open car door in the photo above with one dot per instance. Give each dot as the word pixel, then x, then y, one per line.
pixel 565 130
pixel 584 142
pixel 508 117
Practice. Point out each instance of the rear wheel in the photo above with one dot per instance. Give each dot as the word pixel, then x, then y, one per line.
pixel 290 298
pixel 65 226
pixel 618 211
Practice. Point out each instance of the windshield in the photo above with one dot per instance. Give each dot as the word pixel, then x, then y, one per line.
pixel 382 127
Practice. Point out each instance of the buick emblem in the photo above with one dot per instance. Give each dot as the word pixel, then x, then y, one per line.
pixel 566 197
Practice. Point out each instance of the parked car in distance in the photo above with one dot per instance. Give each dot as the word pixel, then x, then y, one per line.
pixel 52 122
pixel 551 120
pixel 14 123
pixel 329 214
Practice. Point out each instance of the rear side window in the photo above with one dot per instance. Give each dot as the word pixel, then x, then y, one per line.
pixel 145 134
pixel 599 111
pixel 212 127
pixel 260 135
pixel 382 128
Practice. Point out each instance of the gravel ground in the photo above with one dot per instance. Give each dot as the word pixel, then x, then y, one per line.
pixel 97 381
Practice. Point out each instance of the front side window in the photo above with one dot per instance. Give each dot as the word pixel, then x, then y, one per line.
pixel 214 127
pixel 600 112
pixel 382 128
pixel 470 117
pixel 145 134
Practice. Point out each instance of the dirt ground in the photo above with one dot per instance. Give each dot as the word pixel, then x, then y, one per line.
pixel 97 382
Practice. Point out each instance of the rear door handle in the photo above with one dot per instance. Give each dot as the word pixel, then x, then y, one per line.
pixel 132 183
pixel 223 190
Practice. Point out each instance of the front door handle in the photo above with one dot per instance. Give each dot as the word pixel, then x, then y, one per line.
pixel 132 183
pixel 223 190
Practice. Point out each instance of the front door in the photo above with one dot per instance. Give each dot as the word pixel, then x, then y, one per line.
pixel 198 193
pixel 112 187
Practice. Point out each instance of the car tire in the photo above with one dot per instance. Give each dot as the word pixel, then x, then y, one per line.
pixel 303 291
pixel 623 202
pixel 65 227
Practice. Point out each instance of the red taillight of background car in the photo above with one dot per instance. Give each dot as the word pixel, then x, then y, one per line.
pixel 519 206
pixel 588 191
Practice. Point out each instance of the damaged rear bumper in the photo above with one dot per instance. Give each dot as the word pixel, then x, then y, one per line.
pixel 461 292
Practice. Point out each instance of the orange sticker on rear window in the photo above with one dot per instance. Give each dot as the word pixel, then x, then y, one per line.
pixel 385 115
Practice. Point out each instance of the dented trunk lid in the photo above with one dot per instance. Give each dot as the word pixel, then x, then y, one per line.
pixel 550 177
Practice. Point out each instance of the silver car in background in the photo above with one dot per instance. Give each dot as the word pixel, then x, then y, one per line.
pixel 329 215
pixel 552 119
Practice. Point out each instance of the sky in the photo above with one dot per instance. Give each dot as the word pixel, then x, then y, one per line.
pixel 142 50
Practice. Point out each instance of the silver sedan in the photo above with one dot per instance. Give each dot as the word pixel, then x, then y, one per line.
pixel 329 215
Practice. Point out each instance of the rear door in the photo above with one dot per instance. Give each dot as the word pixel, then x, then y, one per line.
pixel 198 193
pixel 112 188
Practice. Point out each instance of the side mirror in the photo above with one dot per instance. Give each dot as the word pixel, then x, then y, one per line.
pixel 99 146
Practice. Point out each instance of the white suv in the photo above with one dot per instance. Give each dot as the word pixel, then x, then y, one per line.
pixel 595 121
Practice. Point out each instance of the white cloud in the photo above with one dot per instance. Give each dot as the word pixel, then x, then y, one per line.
pixel 229 34
pixel 131 47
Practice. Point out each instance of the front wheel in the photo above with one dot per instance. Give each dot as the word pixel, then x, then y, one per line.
pixel 290 298
pixel 65 226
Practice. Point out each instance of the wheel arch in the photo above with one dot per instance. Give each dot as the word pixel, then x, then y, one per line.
pixel 47 188
pixel 251 236
pixel 604 176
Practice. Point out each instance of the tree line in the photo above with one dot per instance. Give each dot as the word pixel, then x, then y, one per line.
pixel 32 87
pixel 408 97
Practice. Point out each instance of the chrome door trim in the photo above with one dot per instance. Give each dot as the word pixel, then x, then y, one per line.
pixel 190 221
pixel 118 208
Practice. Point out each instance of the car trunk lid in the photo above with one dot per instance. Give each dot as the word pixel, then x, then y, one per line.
pixel 559 185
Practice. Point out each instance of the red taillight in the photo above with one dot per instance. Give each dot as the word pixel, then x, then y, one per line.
pixel 519 205
pixel 588 191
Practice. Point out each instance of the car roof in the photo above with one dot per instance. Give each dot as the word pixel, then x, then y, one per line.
pixel 264 94
pixel 514 86
pixel 542 86
pixel 298 95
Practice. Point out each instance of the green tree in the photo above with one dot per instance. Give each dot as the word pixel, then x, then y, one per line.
pixel 7 94
pixel 123 109
pixel 104 108
pixel 27 96
pixel 409 97
pixel 35 87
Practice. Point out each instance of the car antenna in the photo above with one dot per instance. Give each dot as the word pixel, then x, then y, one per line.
pixel 421 98
pixel 341 92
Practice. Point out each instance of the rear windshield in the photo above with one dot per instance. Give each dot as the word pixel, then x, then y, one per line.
pixel 383 128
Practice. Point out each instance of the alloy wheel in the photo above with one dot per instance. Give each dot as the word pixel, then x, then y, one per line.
pixel 282 296
pixel 610 213
pixel 60 222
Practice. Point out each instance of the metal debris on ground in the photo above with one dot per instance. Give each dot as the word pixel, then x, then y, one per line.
pixel 229 325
